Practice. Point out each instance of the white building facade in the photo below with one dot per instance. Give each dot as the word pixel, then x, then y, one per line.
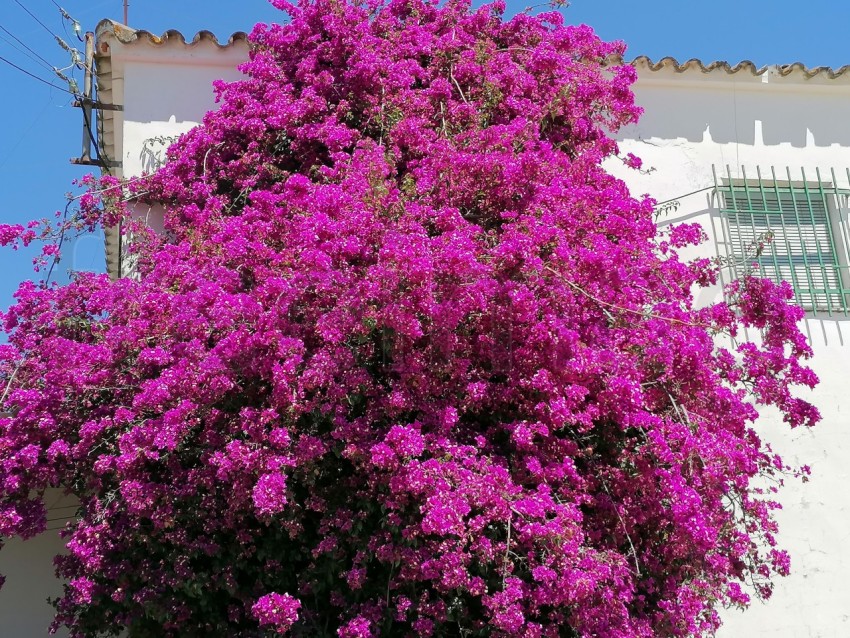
pixel 748 153
pixel 763 154
pixel 163 86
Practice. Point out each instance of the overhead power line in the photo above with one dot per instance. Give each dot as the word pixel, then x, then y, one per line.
pixel 35 77
pixel 35 17
pixel 32 52
pixel 76 59
pixel 67 16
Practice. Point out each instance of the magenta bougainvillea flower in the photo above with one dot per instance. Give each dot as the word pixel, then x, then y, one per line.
pixel 279 611
pixel 406 362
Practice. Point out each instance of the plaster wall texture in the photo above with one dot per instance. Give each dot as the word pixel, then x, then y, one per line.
pixel 164 98
pixel 694 121
pixel 28 567
pixel 164 85
pixel 163 102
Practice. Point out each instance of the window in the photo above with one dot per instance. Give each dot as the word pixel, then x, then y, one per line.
pixel 794 231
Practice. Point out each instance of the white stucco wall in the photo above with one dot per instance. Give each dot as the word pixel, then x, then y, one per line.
pixel 164 98
pixel 167 89
pixel 164 85
pixel 30 581
pixel 692 121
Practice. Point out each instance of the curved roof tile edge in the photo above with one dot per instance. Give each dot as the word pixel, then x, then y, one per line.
pixel 127 35
pixel 744 65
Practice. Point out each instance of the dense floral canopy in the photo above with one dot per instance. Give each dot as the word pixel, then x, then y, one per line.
pixel 406 362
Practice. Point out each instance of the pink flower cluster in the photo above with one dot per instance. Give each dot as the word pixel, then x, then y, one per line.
pixel 278 610
pixel 405 351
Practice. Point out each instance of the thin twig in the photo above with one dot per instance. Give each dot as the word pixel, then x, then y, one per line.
pixel 507 552
pixel 206 155
pixel 443 116
pixel 625 530
pixel 683 416
pixel 9 382
pixel 460 90
pixel 640 313
pixel 514 49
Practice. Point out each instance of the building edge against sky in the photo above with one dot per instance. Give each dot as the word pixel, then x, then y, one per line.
pixel 163 85
pixel 741 150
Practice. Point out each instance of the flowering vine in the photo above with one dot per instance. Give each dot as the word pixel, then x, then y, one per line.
pixel 406 362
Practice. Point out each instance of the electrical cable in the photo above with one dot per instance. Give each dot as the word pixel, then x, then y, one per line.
pixel 105 161
pixel 35 77
pixel 97 147
pixel 9 154
pixel 59 245
pixel 101 155
pixel 23 51
pixel 35 17
pixel 76 30
pixel 32 51
pixel 54 508
pixel 75 57
pixel 70 19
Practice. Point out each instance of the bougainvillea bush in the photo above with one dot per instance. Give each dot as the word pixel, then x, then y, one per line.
pixel 406 362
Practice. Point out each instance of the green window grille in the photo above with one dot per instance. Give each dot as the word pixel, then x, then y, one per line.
pixel 792 231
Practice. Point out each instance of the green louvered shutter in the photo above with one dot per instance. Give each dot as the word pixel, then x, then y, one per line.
pixel 786 231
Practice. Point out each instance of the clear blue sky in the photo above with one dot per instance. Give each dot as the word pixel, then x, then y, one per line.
pixel 41 131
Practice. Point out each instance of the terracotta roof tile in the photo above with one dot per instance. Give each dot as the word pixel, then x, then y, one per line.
pixel 127 35
pixel 745 66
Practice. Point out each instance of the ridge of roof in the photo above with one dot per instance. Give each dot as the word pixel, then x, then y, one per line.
pixel 128 35
pixel 744 66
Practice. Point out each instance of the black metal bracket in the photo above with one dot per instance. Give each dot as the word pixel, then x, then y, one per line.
pixel 95 162
pixel 97 106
